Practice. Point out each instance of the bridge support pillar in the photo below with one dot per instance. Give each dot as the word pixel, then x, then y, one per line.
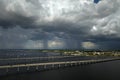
pixel 65 64
pixel 36 67
pixel 53 65
pixel 28 68
pixel 71 64
pixel 59 66
pixel 7 70
pixel 18 69
pixel 44 66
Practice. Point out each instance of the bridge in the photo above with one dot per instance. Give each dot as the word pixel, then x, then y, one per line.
pixel 21 68
pixel 26 60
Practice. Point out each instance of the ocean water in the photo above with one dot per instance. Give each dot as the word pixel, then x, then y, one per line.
pixel 100 71
pixel 23 53
pixel 6 55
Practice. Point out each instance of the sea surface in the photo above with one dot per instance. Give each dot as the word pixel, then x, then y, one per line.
pixel 100 71
pixel 12 57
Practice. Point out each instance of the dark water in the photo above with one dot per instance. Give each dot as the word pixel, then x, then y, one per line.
pixel 8 54
pixel 16 53
pixel 99 71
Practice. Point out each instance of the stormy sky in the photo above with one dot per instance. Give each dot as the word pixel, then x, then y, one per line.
pixel 60 24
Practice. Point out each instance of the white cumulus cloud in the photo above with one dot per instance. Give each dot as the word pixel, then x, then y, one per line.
pixel 89 45
pixel 56 44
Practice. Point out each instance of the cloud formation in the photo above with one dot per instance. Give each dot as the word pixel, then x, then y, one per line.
pixel 89 45
pixel 59 24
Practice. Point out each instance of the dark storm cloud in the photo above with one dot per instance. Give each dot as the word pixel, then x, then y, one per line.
pixel 48 24
pixel 20 20
pixel 14 37
pixel 10 18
